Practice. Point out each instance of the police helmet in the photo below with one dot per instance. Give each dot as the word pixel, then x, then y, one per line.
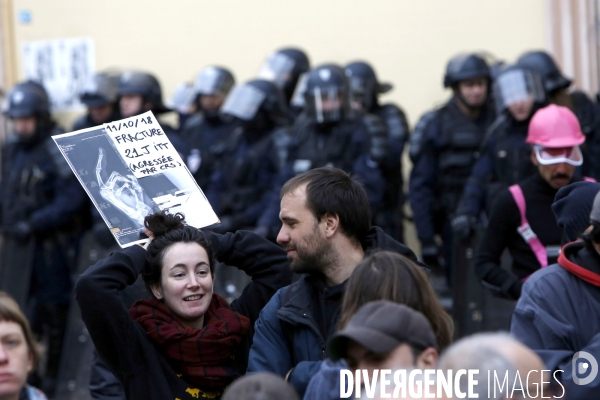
pixel 326 94
pixel 145 85
pixel 516 84
pixel 545 65
pixel 463 67
pixel 214 81
pixel 26 99
pixel 101 89
pixel 182 99
pixel 364 86
pixel 284 67
pixel 247 99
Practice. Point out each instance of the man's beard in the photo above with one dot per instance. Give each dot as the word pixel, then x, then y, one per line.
pixel 316 254
pixel 470 106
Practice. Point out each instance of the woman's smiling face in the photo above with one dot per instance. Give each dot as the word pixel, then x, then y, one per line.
pixel 186 283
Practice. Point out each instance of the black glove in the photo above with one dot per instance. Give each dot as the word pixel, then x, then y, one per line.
pixel 463 225
pixel 21 230
pixel 432 255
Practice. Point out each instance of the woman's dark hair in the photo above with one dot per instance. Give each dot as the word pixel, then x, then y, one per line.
pixel 169 229
pixel 385 275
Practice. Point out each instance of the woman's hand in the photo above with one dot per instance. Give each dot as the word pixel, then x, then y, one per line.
pixel 150 235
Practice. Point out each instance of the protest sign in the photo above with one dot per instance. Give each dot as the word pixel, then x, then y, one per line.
pixel 62 66
pixel 143 145
pixel 130 169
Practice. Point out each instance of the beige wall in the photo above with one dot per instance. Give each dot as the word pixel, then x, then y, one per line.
pixel 409 42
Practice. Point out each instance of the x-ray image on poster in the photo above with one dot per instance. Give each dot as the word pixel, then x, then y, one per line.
pixel 122 199
pixel 63 66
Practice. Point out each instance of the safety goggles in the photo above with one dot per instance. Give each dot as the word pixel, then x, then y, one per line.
pixel 548 156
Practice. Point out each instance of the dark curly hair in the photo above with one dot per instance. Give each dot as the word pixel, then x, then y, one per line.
pixel 169 229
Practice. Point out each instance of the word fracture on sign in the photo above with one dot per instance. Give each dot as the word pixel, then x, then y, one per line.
pixel 143 145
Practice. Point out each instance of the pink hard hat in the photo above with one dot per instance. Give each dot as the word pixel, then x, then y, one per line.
pixel 555 127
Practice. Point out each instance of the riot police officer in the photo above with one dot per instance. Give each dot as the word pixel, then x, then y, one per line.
pixel 557 89
pixel 140 92
pixel 285 68
pixel 40 199
pixel 100 96
pixel 328 133
pixel 444 147
pixel 249 161
pixel 505 160
pixel 182 101
pixel 364 94
pixel 207 130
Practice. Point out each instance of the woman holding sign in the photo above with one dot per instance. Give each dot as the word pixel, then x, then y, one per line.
pixel 186 342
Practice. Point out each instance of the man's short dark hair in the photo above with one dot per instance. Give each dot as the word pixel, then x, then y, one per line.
pixel 332 191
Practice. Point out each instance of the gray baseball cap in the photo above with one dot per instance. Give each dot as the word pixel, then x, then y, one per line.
pixel 381 326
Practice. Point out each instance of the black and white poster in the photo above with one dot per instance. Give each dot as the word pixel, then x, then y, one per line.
pixel 62 66
pixel 130 169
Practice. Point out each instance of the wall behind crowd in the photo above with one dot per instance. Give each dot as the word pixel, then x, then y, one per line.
pixel 408 42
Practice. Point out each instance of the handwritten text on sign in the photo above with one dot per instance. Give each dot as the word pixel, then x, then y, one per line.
pixel 143 145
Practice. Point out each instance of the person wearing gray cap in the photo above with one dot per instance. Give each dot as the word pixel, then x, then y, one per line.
pixel 386 335
pixel 558 314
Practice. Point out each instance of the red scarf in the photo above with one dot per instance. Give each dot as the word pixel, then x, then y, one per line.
pixel 202 356
pixel 580 272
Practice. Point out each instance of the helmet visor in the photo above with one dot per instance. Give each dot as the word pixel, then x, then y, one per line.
pixel 182 99
pixel 211 82
pixel 549 156
pixel 298 96
pixel 277 68
pixel 325 104
pixel 243 102
pixel 517 86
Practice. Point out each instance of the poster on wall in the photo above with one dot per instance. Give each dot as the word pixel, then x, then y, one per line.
pixel 62 66
pixel 129 169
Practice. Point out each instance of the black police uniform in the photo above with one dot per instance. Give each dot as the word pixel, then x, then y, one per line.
pixel 444 146
pixel 207 132
pixel 365 89
pixel 40 206
pixel 356 143
pixel 248 162
pixel 506 157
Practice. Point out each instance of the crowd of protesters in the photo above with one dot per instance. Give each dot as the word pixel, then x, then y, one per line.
pixel 304 168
